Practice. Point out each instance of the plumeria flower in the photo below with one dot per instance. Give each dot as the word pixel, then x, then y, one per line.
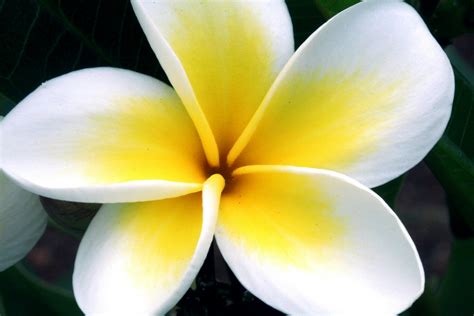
pixel 270 151
pixel 22 220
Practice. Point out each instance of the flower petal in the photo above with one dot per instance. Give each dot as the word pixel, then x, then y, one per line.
pixel 221 57
pixel 139 259
pixel 367 95
pixel 22 222
pixel 315 242
pixel 103 135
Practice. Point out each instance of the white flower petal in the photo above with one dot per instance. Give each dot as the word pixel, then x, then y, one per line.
pixel 140 258
pixel 314 242
pixel 22 222
pixel 221 57
pixel 367 95
pixel 103 135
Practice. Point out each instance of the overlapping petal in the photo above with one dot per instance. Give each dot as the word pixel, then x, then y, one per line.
pixel 140 258
pixel 103 135
pixel 305 241
pixel 22 222
pixel 220 56
pixel 315 242
pixel 367 95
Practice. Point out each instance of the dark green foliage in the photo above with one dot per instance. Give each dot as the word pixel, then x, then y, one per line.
pixel 47 38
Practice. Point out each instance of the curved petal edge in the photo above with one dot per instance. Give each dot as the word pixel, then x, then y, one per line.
pixel 315 242
pixel 141 258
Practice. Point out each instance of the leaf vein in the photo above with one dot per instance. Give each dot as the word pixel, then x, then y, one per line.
pixel 22 51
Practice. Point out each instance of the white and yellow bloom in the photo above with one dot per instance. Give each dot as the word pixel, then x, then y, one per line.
pixel 268 150
pixel 22 220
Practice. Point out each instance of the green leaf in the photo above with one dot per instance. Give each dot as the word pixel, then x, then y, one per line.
pixel 452 159
pixel 452 18
pixel 414 3
pixel 459 62
pixel 461 125
pixel 455 172
pixel 390 190
pixel 2 306
pixel 330 8
pixel 5 102
pixel 47 38
pixel 25 294
pixel 456 295
pixel 427 304
pixel 306 18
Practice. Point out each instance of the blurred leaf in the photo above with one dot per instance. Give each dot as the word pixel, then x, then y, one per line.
pixel 414 3
pixel 456 295
pixel 460 227
pixel 427 304
pixel 452 159
pixel 47 38
pixel 26 295
pixel 460 63
pixel 461 125
pixel 5 103
pixel 2 307
pixel 306 18
pixel 452 18
pixel 455 172
pixel 330 8
pixel 390 190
